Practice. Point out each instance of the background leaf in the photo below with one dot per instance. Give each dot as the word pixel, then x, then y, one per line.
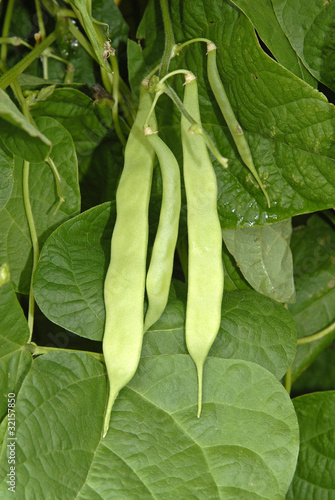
pixel 155 416
pixel 264 257
pixel 314 271
pixel 6 175
pixel 262 15
pixel 309 26
pixel 19 135
pixel 314 476
pixel 15 243
pixel 75 111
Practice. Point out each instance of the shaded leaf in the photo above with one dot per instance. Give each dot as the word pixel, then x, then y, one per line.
pixel 6 175
pixel 19 135
pixel 315 473
pixel 264 257
pixel 309 26
pixel 263 17
pixel 314 275
pixel 75 111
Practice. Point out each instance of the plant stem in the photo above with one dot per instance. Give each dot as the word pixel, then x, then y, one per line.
pixel 41 27
pixel 36 350
pixel 19 68
pixel 288 380
pixel 58 181
pixel 179 46
pixel 6 27
pixel 82 40
pixel 196 128
pixel 115 109
pixel 169 39
pixel 317 336
pixel 34 240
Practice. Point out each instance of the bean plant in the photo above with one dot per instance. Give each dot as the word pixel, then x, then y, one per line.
pixel 167 249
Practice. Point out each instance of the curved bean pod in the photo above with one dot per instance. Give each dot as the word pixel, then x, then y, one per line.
pixel 205 269
pixel 125 280
pixel 162 258
pixel 229 116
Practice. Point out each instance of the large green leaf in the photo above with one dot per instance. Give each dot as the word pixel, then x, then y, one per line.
pixel 263 17
pixel 68 282
pixel 264 257
pixel 15 243
pixel 253 328
pixel 19 135
pixel 14 334
pixel 315 473
pixel 314 271
pixel 288 124
pixel 309 26
pixel 75 259
pixel 245 445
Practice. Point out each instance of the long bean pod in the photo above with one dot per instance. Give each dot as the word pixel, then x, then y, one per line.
pixel 205 271
pixel 125 280
pixel 229 116
pixel 162 257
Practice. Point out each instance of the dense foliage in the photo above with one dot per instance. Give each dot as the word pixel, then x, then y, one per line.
pixel 70 75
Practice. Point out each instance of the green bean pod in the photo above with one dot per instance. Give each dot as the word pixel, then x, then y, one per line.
pixel 205 269
pixel 125 280
pixel 229 116
pixel 162 258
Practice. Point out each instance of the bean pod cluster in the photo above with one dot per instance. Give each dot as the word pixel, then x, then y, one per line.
pixel 127 279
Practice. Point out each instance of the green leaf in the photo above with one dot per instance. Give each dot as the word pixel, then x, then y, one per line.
pixel 315 473
pixel 288 124
pixel 233 278
pixel 6 175
pixel 14 334
pixel 75 111
pixel 253 327
pixel 75 258
pixel 61 401
pixel 68 283
pixel 15 242
pixel 245 445
pixel 263 17
pixel 314 270
pixel 264 257
pixel 309 26
pixel 19 135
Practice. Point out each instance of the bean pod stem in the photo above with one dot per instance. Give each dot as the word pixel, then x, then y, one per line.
pixel 229 116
